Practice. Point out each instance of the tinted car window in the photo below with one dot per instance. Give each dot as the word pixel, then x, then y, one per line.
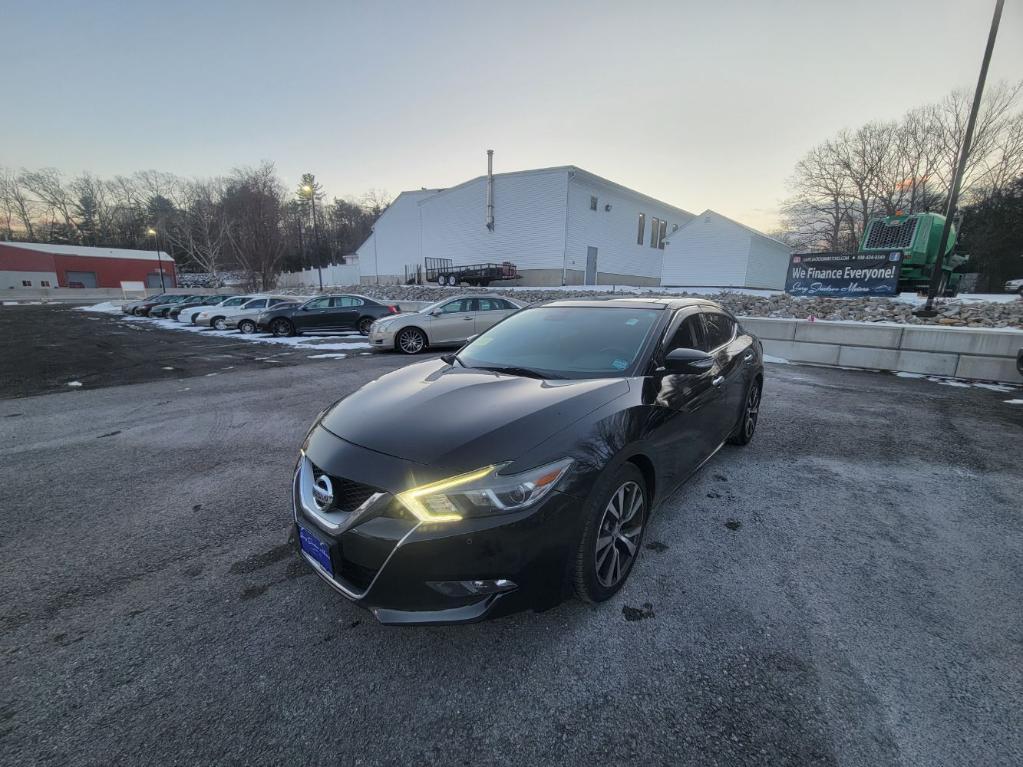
pixel 319 303
pixel 567 342
pixel 492 305
pixel 452 307
pixel 687 336
pixel 348 301
pixel 256 303
pixel 236 301
pixel 275 301
pixel 719 329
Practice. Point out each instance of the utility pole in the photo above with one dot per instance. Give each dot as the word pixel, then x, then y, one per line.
pixel 957 178
pixel 156 243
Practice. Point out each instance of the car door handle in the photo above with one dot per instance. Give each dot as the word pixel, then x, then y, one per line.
pixel 718 381
pixel 466 318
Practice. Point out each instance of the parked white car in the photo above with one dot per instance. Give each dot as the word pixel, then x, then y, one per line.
pixel 245 318
pixel 189 314
pixel 446 323
pixel 1014 286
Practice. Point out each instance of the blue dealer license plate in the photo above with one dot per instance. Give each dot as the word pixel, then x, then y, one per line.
pixel 317 549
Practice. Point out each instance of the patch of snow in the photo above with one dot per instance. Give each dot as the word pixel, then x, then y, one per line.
pixel 327 356
pixel 994 387
pixel 1014 401
pixel 903 374
pixel 962 298
pixel 75 384
pixel 10 303
pixel 107 307
pixel 166 368
pixel 775 360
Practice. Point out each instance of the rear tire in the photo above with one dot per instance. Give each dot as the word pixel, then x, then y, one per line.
pixel 364 325
pixel 611 541
pixel 247 326
pixel 747 425
pixel 410 341
pixel 282 328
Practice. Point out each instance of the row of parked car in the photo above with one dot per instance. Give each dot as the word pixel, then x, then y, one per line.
pixel 449 322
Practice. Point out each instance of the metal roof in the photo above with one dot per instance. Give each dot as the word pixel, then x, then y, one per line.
pixel 88 252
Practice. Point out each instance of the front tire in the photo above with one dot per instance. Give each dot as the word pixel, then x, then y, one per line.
pixel 247 326
pixel 219 323
pixel 282 328
pixel 743 433
pixel 410 341
pixel 616 517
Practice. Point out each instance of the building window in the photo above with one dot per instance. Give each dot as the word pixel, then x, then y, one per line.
pixel 642 228
pixel 26 283
pixel 44 284
pixel 662 234
pixel 655 228
pixel 593 203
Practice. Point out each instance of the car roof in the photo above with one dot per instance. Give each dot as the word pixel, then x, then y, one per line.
pixel 657 302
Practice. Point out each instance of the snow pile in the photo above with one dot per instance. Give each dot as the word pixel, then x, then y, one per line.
pixel 975 311
pixel 107 307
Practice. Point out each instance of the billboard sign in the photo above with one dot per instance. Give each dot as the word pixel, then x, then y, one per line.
pixel 843 275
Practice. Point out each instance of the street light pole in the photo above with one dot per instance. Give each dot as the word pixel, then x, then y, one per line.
pixel 156 243
pixel 957 178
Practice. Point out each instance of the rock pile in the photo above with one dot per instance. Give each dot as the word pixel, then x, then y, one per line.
pixel 955 312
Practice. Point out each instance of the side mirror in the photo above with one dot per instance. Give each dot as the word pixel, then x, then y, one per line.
pixel 688 361
pixel 436 313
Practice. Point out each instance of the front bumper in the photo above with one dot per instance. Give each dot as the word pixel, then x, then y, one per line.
pixel 381 340
pixel 1011 288
pixel 402 569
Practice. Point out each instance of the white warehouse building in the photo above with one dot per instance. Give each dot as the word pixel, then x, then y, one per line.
pixel 712 250
pixel 559 226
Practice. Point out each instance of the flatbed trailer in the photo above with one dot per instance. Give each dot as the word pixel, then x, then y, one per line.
pixel 444 272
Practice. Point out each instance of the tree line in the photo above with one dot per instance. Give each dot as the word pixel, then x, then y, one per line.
pixel 904 165
pixel 248 220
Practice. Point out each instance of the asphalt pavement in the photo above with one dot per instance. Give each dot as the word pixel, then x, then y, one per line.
pixel 845 590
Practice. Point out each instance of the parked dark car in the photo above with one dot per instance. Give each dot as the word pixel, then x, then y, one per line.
pixel 145 309
pixel 132 307
pixel 325 314
pixel 163 309
pixel 175 311
pixel 524 467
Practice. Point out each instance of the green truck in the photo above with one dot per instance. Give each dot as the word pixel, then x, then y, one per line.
pixel 917 235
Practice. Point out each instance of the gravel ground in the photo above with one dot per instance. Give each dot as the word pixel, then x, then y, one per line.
pixel 57 348
pixel 846 590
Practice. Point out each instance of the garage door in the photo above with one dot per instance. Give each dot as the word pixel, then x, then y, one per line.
pixel 153 281
pixel 81 279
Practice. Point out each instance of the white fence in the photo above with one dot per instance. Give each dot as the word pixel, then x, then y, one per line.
pixel 335 274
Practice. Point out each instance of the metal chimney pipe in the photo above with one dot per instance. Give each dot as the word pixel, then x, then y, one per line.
pixel 490 189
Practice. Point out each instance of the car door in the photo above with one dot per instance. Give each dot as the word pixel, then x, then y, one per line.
pixel 686 409
pixel 730 350
pixel 253 307
pixel 314 314
pixel 345 312
pixel 489 312
pixel 453 322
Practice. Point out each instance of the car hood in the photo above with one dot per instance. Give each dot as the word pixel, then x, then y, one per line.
pixel 461 418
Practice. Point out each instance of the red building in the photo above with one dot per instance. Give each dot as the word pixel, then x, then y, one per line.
pixel 32 265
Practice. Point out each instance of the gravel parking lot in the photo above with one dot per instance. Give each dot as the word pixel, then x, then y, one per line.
pixel 846 590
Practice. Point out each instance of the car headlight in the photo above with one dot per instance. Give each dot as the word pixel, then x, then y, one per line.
pixel 482 492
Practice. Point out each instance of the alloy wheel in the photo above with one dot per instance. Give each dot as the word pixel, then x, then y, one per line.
pixel 247 326
pixel 281 328
pixel 411 341
pixel 220 324
pixel 364 325
pixel 749 419
pixel 618 536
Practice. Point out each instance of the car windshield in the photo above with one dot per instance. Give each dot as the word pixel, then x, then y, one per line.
pixel 564 342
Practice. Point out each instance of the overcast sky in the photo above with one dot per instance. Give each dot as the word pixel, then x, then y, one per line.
pixel 701 104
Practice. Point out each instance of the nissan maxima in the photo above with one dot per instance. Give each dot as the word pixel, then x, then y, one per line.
pixel 524 467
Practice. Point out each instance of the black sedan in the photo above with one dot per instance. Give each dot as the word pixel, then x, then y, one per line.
pixel 163 310
pixel 195 301
pixel 327 314
pixel 526 466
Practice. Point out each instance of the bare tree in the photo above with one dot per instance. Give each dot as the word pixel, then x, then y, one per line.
pixel 254 201
pixel 201 227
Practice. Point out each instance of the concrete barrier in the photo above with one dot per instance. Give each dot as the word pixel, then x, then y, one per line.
pixel 985 354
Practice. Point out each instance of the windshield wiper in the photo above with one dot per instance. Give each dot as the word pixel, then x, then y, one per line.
pixel 515 371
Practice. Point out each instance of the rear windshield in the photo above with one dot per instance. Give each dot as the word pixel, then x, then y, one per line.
pixel 567 342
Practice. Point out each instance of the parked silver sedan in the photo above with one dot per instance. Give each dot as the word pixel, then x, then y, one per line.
pixel 244 317
pixel 446 323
